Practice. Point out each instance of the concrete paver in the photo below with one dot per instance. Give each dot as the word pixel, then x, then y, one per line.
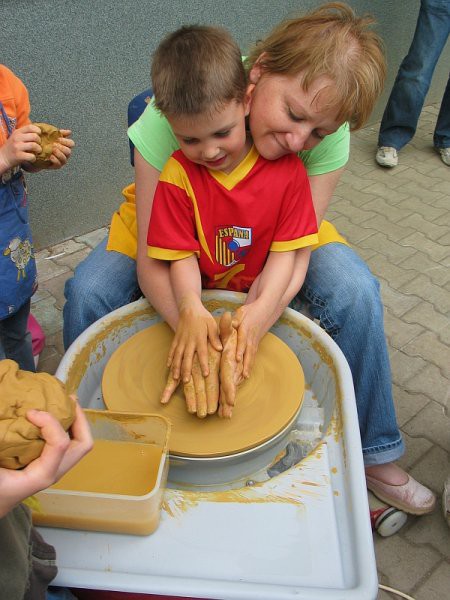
pixel 398 220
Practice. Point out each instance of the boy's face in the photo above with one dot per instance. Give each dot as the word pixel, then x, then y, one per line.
pixel 216 141
pixel 285 118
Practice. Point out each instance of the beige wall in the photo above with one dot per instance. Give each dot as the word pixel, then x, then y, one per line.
pixel 83 60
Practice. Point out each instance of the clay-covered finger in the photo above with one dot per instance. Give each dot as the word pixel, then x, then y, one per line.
pixel 225 411
pixel 225 327
pixel 171 386
pixel 200 391
pixel 189 395
pixel 177 359
pixel 213 335
pixel 249 360
pixel 212 385
pixel 187 362
pixel 241 343
pixel 227 388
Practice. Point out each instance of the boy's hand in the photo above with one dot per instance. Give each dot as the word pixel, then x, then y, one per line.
pixel 201 393
pixel 231 374
pixel 62 149
pixel 21 147
pixel 195 327
pixel 61 452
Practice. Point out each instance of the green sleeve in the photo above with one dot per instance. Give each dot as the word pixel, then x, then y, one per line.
pixel 153 137
pixel 331 154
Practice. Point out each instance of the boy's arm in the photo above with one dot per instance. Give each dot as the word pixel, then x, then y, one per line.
pixel 196 325
pixel 279 282
pixel 153 275
pixel 61 452
pixel 195 350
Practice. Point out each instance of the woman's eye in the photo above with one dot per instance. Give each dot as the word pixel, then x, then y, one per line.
pixel 222 134
pixel 294 117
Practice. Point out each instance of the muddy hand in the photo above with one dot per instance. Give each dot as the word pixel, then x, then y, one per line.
pixel 230 367
pixel 202 393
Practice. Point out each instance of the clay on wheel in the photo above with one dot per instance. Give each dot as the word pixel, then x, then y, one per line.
pixel 135 375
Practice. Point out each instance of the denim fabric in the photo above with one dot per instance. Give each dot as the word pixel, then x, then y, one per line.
pixel 405 103
pixel 15 339
pixel 104 281
pixel 341 292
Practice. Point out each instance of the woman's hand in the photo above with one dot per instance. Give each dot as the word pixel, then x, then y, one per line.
pixel 230 368
pixel 250 324
pixel 21 147
pixel 61 452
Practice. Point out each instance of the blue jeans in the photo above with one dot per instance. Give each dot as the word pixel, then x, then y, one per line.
pixel 102 282
pixel 15 339
pixel 405 103
pixel 340 291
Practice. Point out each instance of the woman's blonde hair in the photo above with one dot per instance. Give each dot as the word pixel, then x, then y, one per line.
pixel 330 41
pixel 197 69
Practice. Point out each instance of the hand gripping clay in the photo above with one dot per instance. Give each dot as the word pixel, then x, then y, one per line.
pixel 20 391
pixel 49 135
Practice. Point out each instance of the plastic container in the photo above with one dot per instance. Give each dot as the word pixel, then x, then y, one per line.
pixel 120 499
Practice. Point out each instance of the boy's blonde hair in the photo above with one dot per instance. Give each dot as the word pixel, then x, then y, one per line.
pixel 197 69
pixel 330 41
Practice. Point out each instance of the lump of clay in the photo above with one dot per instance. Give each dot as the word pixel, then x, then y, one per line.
pixel 49 135
pixel 20 391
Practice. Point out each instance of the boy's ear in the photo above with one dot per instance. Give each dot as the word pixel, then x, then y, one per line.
pixel 248 98
pixel 257 70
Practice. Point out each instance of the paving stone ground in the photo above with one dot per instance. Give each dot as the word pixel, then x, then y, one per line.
pixel 398 221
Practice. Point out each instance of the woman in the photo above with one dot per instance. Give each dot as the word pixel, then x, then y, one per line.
pixel 312 79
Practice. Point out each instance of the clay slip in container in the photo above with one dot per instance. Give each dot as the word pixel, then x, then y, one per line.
pixel 118 487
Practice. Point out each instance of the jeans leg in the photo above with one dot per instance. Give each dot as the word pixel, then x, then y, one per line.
pixel 411 85
pixel 342 293
pixel 15 339
pixel 103 281
pixel 441 138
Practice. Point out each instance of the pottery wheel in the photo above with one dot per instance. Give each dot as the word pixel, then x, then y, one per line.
pixel 266 403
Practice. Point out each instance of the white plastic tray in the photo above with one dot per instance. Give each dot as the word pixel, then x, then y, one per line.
pixel 303 534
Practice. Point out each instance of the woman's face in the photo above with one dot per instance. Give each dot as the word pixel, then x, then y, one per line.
pixel 284 117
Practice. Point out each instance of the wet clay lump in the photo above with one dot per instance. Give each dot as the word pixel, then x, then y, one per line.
pixel 136 373
pixel 20 391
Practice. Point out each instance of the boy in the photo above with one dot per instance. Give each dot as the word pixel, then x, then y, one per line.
pixel 19 144
pixel 222 215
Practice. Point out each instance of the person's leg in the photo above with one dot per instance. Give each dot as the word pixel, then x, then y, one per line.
pixel 344 296
pixel 340 291
pixel 405 103
pixel 15 339
pixel 101 283
pixel 441 138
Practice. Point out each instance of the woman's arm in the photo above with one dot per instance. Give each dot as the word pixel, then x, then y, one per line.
pixel 153 275
pixel 322 190
pixel 256 317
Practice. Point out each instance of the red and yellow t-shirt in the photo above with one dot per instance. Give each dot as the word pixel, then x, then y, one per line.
pixel 231 221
